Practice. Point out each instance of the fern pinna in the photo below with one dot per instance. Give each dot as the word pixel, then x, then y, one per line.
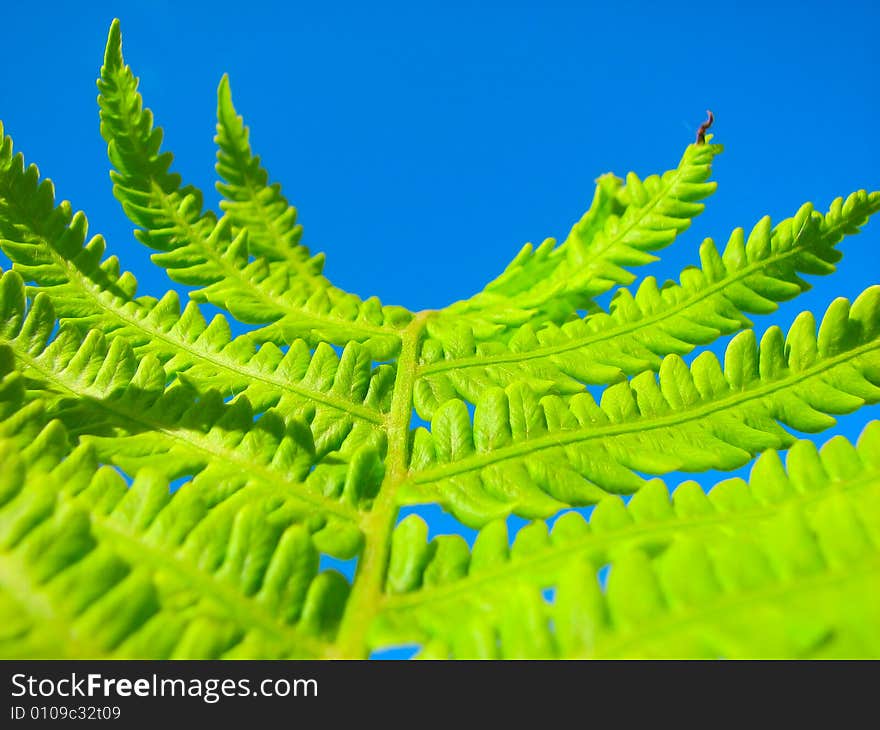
pixel 107 395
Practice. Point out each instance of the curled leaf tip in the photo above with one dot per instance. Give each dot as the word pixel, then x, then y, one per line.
pixel 701 132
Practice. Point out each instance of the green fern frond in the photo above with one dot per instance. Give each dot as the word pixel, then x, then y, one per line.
pixel 253 204
pixel 750 276
pixel 93 568
pixel 298 438
pixel 48 247
pixel 624 223
pixel 533 456
pixel 797 546
pixel 285 288
pixel 322 466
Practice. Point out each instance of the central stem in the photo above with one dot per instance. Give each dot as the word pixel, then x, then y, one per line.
pixel 379 523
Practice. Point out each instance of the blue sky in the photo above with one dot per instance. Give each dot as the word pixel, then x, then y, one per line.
pixel 425 143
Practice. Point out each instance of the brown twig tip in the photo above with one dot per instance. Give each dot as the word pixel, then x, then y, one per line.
pixel 701 132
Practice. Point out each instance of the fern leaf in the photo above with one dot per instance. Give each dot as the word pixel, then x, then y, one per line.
pixel 751 275
pixel 535 456
pixel 94 568
pixel 198 249
pixel 253 204
pixel 48 246
pixel 624 223
pixel 323 468
pixel 296 439
pixel 798 550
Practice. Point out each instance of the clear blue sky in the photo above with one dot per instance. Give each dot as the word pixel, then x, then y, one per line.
pixel 425 143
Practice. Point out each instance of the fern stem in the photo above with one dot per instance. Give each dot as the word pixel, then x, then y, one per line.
pixel 379 523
